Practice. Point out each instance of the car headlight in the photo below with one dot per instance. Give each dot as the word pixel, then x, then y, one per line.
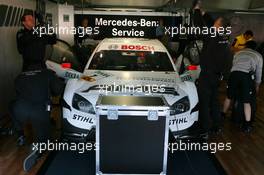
pixel 180 106
pixel 81 104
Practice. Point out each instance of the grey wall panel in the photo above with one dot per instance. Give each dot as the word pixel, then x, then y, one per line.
pixel 10 66
pixel 8 17
pixel 256 4
pixel 13 18
pixel 3 10
pixel 18 21
pixel 241 22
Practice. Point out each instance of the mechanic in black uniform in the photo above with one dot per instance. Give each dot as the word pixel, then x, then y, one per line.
pixel 30 44
pixel 215 58
pixel 84 43
pixel 34 88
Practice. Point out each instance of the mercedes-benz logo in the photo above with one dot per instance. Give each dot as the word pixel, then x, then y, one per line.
pixel 113 47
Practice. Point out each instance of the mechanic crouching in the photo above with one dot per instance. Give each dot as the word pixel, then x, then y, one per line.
pixel 34 88
pixel 214 59
pixel 245 79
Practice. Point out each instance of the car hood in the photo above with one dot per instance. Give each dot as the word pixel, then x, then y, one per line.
pixel 95 83
pixel 128 77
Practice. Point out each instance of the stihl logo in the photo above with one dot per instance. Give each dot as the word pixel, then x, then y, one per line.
pixel 137 47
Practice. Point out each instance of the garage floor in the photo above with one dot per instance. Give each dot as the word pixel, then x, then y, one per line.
pixel 246 156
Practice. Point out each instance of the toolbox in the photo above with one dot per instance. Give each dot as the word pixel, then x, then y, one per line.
pixel 132 135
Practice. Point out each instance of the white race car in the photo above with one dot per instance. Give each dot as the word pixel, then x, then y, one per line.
pixel 126 66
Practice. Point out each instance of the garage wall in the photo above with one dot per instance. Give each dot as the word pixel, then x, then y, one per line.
pixel 218 4
pixel 58 14
pixel 133 3
pixel 241 23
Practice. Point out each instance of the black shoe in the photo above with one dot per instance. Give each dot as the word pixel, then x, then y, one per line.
pixel 30 160
pixel 21 141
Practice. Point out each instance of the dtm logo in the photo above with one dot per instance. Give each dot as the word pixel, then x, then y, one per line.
pixel 113 47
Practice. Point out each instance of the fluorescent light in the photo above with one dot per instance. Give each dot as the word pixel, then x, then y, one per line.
pixel 250 13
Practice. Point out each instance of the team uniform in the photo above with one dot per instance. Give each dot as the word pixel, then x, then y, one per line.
pixel 214 60
pixel 34 89
pixel 33 47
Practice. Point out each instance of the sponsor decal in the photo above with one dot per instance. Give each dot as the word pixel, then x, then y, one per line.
pixel 187 78
pixel 88 78
pixel 113 47
pixel 178 121
pixel 71 75
pixel 82 118
pixel 102 74
pixel 137 47
pixel 165 80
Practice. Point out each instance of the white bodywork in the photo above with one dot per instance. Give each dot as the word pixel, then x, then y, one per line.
pixel 84 84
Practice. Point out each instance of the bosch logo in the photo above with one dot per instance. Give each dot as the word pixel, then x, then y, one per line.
pixel 137 47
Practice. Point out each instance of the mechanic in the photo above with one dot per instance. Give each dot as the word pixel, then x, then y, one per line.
pixel 214 59
pixel 161 34
pixel 260 49
pixel 245 75
pixel 81 36
pixel 34 88
pixel 160 30
pixel 30 44
pixel 84 42
pixel 240 41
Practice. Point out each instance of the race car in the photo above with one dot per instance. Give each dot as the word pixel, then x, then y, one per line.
pixel 116 65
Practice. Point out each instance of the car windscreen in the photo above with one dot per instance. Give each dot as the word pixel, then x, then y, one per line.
pixel 131 61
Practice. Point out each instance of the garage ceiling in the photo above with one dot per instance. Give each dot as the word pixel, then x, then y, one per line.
pixel 246 5
pixel 120 3
pixel 226 4
pixel 256 4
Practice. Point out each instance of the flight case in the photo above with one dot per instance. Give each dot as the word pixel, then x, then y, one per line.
pixel 132 135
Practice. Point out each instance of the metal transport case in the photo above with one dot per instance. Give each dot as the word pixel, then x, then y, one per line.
pixel 132 135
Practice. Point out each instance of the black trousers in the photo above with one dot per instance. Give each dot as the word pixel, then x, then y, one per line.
pixel 23 111
pixel 209 108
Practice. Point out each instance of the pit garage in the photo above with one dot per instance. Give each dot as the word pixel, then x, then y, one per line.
pixel 131 87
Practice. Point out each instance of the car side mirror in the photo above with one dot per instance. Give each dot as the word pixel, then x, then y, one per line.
pixel 191 67
pixel 66 65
